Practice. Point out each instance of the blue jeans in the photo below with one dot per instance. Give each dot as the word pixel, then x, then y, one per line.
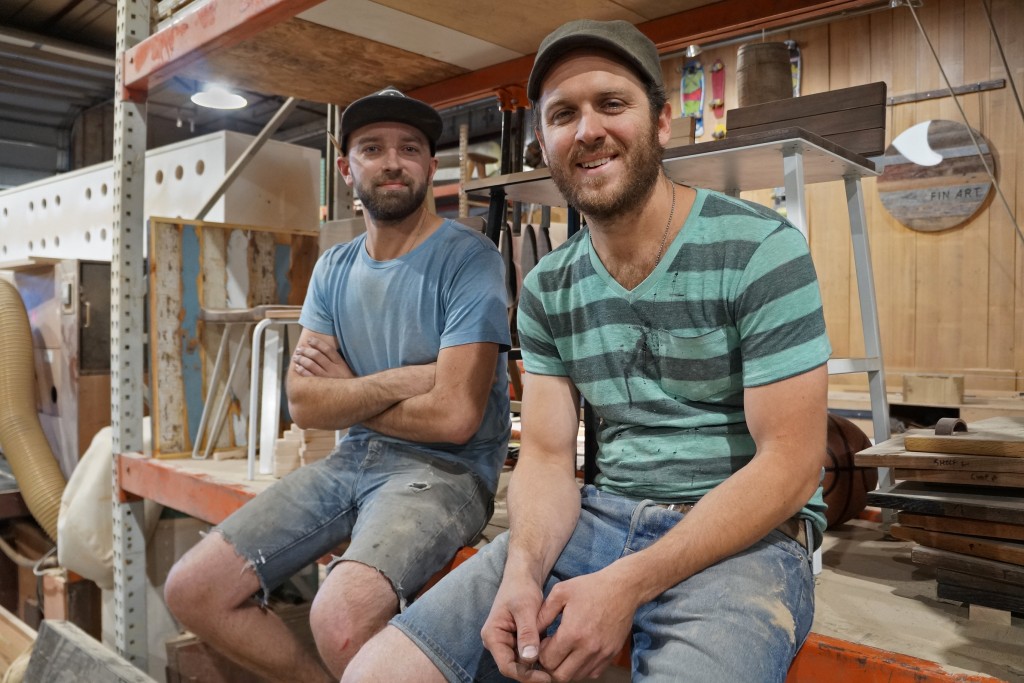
pixel 741 620
pixel 406 515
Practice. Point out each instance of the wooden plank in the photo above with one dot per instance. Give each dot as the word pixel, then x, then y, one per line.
pixel 166 377
pixel 998 436
pixel 977 566
pixel 16 638
pixel 972 502
pixel 65 652
pixel 977 596
pixel 892 453
pixel 1009 479
pixel 1002 551
pixel 957 525
pixel 867 97
pixel 968 580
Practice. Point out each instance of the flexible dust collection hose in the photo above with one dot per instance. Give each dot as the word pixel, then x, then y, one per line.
pixel 21 436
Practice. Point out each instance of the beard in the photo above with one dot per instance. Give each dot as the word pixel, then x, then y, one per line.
pixel 603 199
pixel 390 206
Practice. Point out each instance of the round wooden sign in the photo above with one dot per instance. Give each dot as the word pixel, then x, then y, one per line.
pixel 933 178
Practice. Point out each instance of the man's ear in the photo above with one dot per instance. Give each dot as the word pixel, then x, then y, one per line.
pixel 345 169
pixel 540 141
pixel 665 124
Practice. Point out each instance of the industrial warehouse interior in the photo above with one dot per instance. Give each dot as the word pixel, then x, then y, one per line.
pixel 281 265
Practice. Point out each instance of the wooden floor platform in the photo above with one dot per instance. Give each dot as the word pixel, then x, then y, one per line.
pixel 877 617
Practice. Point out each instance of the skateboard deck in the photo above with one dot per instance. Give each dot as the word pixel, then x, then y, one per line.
pixel 718 97
pixel 794 65
pixel 691 93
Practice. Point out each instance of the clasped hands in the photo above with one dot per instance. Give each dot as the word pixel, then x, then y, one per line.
pixel 596 617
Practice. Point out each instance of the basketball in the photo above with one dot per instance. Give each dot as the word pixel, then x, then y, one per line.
pixel 845 485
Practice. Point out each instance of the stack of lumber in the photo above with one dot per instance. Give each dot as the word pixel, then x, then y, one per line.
pixel 961 499
pixel 300 447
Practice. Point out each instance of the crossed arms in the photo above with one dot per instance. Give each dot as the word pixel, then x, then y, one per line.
pixel 787 420
pixel 439 402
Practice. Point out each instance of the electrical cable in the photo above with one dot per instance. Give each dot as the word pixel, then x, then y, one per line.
pixel 963 114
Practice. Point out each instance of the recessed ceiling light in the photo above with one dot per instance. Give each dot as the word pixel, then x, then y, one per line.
pixel 218 97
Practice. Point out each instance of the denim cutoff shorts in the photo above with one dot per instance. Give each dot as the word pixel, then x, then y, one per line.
pixel 741 620
pixel 405 514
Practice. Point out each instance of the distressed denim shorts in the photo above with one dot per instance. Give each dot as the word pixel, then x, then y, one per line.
pixel 742 619
pixel 405 514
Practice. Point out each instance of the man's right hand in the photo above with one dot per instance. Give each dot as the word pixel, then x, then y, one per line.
pixel 510 633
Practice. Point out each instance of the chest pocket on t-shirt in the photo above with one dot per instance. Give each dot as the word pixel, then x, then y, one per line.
pixel 694 368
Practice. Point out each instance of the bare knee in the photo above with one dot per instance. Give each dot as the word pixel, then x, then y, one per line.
pixel 209 577
pixel 391 656
pixel 354 603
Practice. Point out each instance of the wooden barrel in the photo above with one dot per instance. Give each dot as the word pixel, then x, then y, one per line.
pixel 763 73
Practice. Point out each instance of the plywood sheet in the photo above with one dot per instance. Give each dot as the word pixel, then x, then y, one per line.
pixel 281 59
pixel 519 26
pixel 997 436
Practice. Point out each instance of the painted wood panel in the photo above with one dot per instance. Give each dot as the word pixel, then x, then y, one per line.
pixel 197 265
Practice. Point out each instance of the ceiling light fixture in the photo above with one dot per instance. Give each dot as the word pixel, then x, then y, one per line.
pixel 218 97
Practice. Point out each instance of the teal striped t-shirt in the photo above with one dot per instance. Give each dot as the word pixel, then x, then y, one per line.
pixel 733 303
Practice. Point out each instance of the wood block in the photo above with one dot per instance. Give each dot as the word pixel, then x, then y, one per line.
pixel 997 505
pixel 683 132
pixel 933 389
pixel 957 525
pixel 978 566
pixel 990 615
pixel 62 648
pixel 73 599
pixel 1002 551
pixel 998 436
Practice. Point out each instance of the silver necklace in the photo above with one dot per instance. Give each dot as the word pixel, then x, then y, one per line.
pixel 668 224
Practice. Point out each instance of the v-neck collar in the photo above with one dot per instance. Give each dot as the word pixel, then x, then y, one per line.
pixel 652 279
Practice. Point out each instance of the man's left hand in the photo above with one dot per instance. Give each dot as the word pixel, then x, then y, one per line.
pixel 318 359
pixel 596 619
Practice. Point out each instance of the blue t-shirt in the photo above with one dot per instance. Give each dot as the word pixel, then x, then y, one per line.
pixel 448 291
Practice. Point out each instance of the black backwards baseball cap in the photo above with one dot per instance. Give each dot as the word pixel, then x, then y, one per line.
pixel 618 37
pixel 390 104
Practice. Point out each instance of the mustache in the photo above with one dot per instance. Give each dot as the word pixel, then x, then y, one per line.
pixel 388 178
pixel 582 152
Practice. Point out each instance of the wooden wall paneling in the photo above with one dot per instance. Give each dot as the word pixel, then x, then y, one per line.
pixel 262 288
pixel 1008 133
pixel 899 241
pixel 973 321
pixel 670 74
pixel 940 283
pixel 997 115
